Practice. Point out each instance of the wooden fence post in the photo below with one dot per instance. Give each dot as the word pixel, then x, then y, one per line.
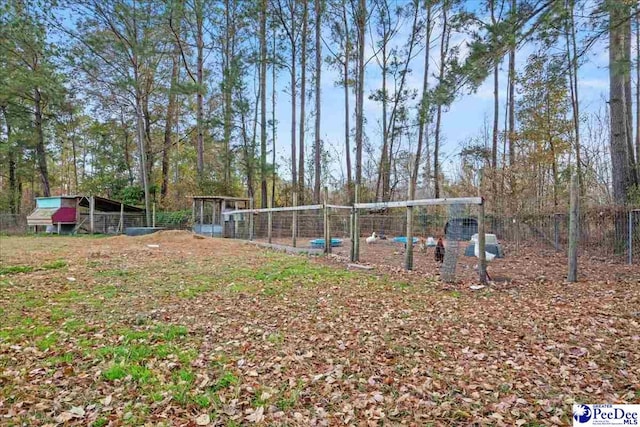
pixel 482 254
pixel 251 219
pixel 572 275
pixel 325 211
pixel 355 255
pixel 630 227
pixel 294 221
pixel 408 254
pixel 269 219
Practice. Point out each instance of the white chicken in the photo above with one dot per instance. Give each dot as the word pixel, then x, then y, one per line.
pixel 372 239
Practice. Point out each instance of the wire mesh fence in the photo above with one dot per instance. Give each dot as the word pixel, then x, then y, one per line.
pixel 12 224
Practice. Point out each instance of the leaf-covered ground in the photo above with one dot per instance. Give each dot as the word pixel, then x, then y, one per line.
pixel 172 330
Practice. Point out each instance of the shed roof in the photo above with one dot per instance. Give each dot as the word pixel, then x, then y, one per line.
pixel 237 199
pixel 102 204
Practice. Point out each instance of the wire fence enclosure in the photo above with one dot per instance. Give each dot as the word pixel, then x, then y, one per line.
pixel 607 233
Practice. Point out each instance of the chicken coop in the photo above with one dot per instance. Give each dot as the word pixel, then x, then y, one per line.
pixel 89 214
pixel 210 215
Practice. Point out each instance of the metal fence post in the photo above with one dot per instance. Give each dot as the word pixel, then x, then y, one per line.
pixel 294 221
pixel 153 215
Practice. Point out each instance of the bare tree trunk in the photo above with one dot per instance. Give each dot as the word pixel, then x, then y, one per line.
pixel 628 96
pixel 444 47
pixel 423 112
pixel 198 6
pixel 496 118
pixel 303 97
pixel 228 78
pixel 637 13
pixel 620 162
pixel 144 178
pixel 168 126
pixel 273 122
pixel 574 206
pixel 361 19
pixel 263 103
pixel 572 52
pixel 512 102
pixel 11 153
pixel 347 126
pixel 318 145
pixel 41 154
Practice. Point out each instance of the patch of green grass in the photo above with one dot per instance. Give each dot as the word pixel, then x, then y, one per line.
pixel 114 372
pixel 173 332
pixel 455 294
pixel 100 422
pixel 139 373
pixel 401 285
pixel 187 356
pixel 130 335
pixel 184 375
pixel 202 400
pixel 57 314
pixel 47 342
pixel 275 338
pixel 74 325
pixel 129 353
pixel 180 393
pixel 227 379
pixel 65 358
pixel 257 400
pixel 70 296
pixel 55 265
pixel 108 291
pixel 286 402
pixel 15 269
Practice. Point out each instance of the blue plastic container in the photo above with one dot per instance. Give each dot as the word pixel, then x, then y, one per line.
pixel 403 240
pixel 319 243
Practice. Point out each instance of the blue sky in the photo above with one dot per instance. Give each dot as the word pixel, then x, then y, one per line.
pixel 463 120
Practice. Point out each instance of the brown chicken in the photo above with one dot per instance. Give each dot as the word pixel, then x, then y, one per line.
pixel 439 254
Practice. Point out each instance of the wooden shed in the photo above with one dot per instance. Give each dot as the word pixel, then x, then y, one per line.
pixel 209 218
pixel 70 214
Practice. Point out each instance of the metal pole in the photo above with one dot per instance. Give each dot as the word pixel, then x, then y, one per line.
pixel 355 256
pixel 269 219
pixel 408 254
pixel 294 221
pixel 121 218
pixel 213 217
pixel 482 256
pixel 201 215
pixel 251 218
pixel 153 219
pixel 630 227
pixel 92 205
